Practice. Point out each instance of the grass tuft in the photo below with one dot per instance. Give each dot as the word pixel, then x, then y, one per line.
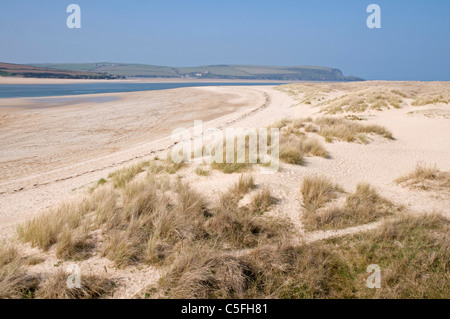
pixel 318 191
pixel 43 230
pixel 362 207
pixel 92 287
pixel 348 131
pixel 426 177
pixel 123 176
pixel 202 172
pixel 15 283
pixel 262 201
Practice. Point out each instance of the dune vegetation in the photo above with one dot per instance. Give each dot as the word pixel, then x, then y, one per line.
pixel 347 98
pixel 231 247
pixel 321 212
pixel 426 177
pixel 362 101
pixel 412 252
pixel 246 236
pixel 149 218
pixel 331 129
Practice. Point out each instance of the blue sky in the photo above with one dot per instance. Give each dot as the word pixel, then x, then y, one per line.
pixel 413 43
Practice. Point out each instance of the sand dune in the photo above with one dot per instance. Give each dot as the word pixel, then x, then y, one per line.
pixel 48 152
pixel 41 146
pixel 52 155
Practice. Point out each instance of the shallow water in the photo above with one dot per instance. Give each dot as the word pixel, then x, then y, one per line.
pixel 44 90
pixel 75 100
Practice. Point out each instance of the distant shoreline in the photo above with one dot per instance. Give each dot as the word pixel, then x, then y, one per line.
pixel 11 91
pixel 17 80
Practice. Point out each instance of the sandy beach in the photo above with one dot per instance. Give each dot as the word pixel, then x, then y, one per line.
pixel 54 154
pixel 47 152
pixel 225 159
pixel 41 146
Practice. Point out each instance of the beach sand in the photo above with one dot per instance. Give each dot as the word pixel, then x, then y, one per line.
pixel 50 155
pixel 49 151
pixel 42 147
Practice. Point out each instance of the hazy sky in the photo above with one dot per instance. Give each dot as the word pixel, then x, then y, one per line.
pixel 412 44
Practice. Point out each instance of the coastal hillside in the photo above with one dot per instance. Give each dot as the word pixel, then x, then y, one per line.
pixel 222 71
pixel 26 71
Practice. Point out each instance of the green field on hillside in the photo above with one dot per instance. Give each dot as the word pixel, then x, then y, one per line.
pixel 225 71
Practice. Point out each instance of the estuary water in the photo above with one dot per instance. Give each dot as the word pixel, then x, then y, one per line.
pixel 44 90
